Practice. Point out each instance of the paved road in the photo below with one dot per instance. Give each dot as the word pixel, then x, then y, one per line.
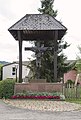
pixel 8 112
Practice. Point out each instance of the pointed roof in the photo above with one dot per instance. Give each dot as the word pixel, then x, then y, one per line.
pixel 24 63
pixel 37 26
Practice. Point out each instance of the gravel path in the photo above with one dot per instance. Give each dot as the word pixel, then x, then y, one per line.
pixel 44 105
pixel 9 112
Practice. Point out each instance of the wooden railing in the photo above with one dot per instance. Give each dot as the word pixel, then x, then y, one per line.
pixel 72 91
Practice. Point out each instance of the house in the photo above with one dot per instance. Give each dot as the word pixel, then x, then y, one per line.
pixel 11 70
pixel 71 74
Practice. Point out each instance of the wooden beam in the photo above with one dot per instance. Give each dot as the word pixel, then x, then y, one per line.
pixel 55 55
pixel 20 56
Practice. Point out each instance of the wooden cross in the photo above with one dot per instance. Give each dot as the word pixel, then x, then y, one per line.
pixel 39 50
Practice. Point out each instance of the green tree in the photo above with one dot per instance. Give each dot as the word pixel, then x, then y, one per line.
pixel 0 70
pixel 47 67
pixel 78 61
pixel 47 8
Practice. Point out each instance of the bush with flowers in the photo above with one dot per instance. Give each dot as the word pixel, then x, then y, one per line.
pixel 38 95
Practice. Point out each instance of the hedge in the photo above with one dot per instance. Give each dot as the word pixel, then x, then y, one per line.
pixel 6 88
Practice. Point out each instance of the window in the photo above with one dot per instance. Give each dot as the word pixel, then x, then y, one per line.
pixel 13 71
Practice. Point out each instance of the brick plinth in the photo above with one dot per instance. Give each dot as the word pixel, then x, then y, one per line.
pixel 38 87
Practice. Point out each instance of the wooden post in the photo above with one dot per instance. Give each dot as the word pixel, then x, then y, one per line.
pixel 55 55
pixel 16 74
pixel 20 56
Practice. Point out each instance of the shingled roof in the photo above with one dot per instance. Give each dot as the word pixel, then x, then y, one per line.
pixel 37 26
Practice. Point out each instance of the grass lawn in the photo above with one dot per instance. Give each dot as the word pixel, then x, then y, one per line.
pixel 78 101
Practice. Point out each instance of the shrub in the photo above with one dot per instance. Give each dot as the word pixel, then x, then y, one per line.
pixel 70 82
pixel 28 93
pixel 6 88
pixel 1 89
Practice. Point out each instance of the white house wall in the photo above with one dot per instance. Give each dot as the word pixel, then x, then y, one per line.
pixel 7 71
pixel 25 71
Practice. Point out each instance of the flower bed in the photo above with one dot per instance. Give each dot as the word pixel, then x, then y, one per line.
pixel 35 97
pixel 38 95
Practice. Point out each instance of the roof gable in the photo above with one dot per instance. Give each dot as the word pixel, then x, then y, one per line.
pixel 14 63
pixel 37 27
pixel 37 22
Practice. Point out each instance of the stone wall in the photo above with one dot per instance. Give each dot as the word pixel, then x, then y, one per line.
pixel 38 87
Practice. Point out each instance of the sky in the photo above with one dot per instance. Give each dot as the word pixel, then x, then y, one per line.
pixel 12 10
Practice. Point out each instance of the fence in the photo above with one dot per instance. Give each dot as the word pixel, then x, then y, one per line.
pixel 72 91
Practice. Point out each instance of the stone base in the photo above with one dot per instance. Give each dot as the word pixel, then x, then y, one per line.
pixel 37 81
pixel 38 87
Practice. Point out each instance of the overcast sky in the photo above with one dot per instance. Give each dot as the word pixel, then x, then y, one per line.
pixel 12 10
